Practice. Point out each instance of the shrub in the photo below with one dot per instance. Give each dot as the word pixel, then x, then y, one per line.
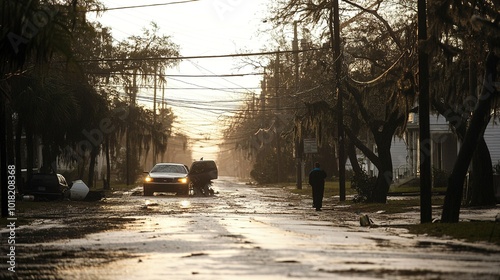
pixel 496 168
pixel 364 186
pixel 135 169
pixel 265 169
pixel 439 178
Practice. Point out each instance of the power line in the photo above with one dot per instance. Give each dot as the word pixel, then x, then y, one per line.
pixel 232 90
pixel 142 6
pixel 179 75
pixel 229 90
pixel 217 110
pixel 216 75
pixel 199 66
pixel 192 57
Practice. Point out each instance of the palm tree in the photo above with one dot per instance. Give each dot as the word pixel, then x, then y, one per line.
pixel 17 47
pixel 44 108
pixel 33 47
pixel 135 66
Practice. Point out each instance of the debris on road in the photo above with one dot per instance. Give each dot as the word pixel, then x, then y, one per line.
pixel 365 221
pixel 79 190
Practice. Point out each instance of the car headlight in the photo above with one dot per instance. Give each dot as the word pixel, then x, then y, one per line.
pixel 148 179
pixel 182 180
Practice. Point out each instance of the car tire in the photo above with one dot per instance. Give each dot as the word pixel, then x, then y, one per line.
pixel 183 193
pixel 197 191
pixel 148 191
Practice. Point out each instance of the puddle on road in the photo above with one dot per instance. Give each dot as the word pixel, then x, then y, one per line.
pixel 185 204
pixel 38 224
pixel 246 234
pixel 457 247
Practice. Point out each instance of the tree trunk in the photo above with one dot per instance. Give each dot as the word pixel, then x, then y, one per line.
pixel 127 155
pixel 351 147
pixel 423 115
pixel 19 162
pixel 3 159
pixel 9 133
pixel 81 165
pixel 108 165
pixel 351 152
pixel 29 152
pixel 49 159
pixel 384 178
pixel 330 154
pixel 93 155
pixel 383 161
pixel 482 191
pixel 478 123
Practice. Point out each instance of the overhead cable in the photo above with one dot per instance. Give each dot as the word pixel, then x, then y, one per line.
pixel 193 57
pixel 142 6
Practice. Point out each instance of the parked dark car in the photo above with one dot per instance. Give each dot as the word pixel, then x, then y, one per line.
pixel 47 186
pixel 168 178
pixel 203 170
pixel 201 175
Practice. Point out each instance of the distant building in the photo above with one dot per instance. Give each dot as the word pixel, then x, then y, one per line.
pixel 444 148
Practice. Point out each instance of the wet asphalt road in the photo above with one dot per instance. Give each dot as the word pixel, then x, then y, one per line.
pixel 246 232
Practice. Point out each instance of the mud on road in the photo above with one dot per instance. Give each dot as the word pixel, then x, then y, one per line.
pixel 37 256
pixel 67 239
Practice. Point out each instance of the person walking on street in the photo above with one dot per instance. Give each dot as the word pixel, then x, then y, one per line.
pixel 317 181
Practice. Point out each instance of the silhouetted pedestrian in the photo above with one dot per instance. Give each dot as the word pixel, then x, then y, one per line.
pixel 317 181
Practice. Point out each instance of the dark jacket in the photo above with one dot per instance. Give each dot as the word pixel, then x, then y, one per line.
pixel 317 177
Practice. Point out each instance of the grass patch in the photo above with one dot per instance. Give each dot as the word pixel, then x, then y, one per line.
pixel 391 207
pixel 473 231
pixel 399 206
pixel 414 189
pixel 331 189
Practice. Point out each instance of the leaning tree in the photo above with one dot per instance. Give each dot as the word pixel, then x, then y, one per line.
pixel 480 21
pixel 378 55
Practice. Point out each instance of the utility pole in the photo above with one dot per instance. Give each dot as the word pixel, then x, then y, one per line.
pixel 3 158
pixel 423 116
pixel 277 95
pixel 154 117
pixel 340 113
pixel 263 86
pixel 163 110
pixel 298 147
pixel 253 105
pixel 130 118
pixel 163 96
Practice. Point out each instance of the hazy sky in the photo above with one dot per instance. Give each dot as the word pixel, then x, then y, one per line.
pixel 200 28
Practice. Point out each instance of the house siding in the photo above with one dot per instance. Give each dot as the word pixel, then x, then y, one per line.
pixel 444 150
pixel 399 153
pixel 492 138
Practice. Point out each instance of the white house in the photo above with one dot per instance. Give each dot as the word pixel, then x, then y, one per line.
pixel 444 148
pixel 444 144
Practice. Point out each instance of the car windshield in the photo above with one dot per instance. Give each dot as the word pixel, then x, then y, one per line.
pixel 164 168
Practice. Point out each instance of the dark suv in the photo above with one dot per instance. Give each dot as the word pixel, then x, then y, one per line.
pixel 48 186
pixel 201 175
pixel 203 171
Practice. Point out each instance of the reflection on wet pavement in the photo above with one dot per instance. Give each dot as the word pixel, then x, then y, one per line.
pixel 254 233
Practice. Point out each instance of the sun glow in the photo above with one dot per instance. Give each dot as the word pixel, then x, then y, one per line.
pixel 185 204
